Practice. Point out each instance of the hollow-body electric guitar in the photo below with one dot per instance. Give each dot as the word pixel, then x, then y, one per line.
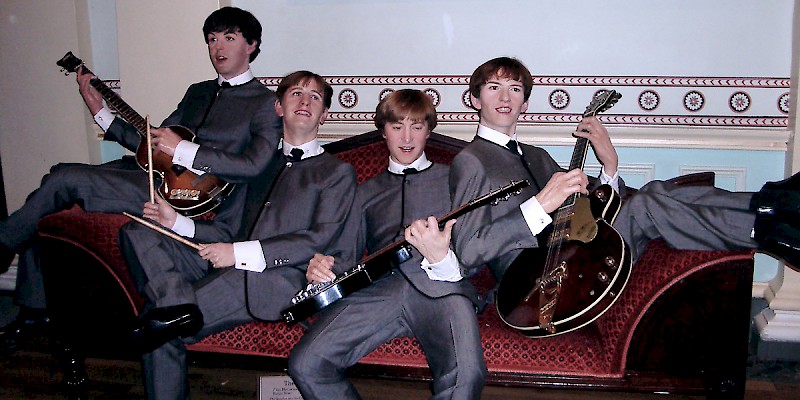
pixel 187 192
pixel 317 296
pixel 575 276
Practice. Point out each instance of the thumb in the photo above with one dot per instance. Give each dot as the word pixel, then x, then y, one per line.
pixel 448 229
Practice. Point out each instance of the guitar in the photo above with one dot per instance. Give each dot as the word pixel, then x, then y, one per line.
pixel 575 276
pixel 317 296
pixel 188 193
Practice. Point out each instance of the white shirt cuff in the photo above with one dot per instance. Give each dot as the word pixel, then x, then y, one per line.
pixel 447 270
pixel 249 256
pixel 185 153
pixel 535 216
pixel 612 181
pixel 104 118
pixel 184 226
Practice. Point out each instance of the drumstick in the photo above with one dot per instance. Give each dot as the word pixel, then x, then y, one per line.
pixel 163 231
pixel 150 160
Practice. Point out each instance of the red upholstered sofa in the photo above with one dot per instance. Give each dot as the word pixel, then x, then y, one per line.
pixel 680 325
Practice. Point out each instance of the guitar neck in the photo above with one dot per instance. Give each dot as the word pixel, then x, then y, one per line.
pixel 120 106
pixel 494 196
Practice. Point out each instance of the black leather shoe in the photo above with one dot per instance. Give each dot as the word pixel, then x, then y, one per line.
pixel 778 237
pixel 28 323
pixel 779 198
pixel 6 256
pixel 160 325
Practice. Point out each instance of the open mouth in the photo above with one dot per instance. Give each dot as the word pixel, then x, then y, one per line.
pixel 303 113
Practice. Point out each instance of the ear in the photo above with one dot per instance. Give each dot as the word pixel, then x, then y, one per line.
pixel 476 102
pixel 323 117
pixel 524 107
pixel 278 108
pixel 251 47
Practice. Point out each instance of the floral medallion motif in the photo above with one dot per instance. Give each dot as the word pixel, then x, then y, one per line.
pixel 783 103
pixel 384 93
pixel 559 99
pixel 694 101
pixel 435 96
pixel 348 98
pixel 739 101
pixel 648 100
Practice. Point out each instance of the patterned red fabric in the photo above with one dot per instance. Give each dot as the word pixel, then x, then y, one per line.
pixel 95 233
pixel 597 350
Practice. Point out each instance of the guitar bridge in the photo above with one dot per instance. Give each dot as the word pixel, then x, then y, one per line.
pixel 184 194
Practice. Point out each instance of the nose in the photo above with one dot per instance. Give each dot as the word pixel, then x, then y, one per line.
pixel 504 94
pixel 407 135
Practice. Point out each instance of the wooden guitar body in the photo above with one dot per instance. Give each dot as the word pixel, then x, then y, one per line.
pixel 592 267
pixel 188 193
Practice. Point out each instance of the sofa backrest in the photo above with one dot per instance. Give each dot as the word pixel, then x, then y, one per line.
pixel 368 153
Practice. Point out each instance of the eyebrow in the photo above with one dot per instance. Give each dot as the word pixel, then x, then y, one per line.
pixel 301 87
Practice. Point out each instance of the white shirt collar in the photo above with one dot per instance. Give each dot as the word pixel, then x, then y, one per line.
pixel 420 164
pixel 310 149
pixel 494 136
pixel 245 77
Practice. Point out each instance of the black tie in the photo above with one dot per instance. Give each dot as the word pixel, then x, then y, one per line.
pixel 512 145
pixel 225 84
pixel 410 171
pixel 296 154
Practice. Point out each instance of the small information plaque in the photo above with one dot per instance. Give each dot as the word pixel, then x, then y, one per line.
pixel 278 387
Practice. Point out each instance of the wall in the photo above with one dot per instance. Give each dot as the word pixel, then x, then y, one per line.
pixel 42 117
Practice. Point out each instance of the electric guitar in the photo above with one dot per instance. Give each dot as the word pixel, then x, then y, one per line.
pixel 188 193
pixel 575 276
pixel 317 296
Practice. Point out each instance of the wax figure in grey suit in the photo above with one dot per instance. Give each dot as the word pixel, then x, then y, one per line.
pixel 292 212
pixel 427 301
pixel 237 132
pixel 702 218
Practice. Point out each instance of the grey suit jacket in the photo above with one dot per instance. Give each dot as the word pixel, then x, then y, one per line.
pixel 303 215
pixel 238 137
pixel 495 235
pixel 383 209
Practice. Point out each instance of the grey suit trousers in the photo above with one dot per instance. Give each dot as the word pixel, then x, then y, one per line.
pixel 114 187
pixel 686 217
pixel 445 327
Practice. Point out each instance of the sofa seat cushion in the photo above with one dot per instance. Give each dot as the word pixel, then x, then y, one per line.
pixel 598 349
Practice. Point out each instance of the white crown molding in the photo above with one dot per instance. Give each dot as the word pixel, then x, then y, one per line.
pixel 622 136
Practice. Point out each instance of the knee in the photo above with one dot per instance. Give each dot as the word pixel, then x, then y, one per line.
pixel 61 177
pixel 302 362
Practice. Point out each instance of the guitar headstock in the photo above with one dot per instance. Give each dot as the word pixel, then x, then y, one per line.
pixel 602 101
pixel 501 194
pixel 69 63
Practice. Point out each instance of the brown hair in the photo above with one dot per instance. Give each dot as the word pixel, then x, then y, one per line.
pixel 405 103
pixel 503 67
pixel 301 78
